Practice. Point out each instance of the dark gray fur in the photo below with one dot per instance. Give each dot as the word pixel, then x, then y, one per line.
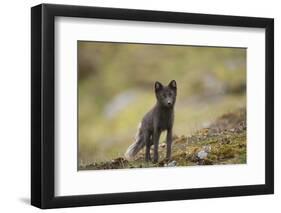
pixel 160 118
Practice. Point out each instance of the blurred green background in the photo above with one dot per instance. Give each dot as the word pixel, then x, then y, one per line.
pixel 116 88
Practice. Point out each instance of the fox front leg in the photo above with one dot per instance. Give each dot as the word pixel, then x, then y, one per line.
pixel 169 143
pixel 156 135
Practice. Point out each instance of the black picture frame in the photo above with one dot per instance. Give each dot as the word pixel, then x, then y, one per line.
pixel 43 102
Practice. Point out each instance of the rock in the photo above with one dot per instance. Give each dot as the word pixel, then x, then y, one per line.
pixel 202 154
pixel 171 164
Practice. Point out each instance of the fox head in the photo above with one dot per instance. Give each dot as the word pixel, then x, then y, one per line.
pixel 166 95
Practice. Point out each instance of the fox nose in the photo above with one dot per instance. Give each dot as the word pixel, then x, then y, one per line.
pixel 169 102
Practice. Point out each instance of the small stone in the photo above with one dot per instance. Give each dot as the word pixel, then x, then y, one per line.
pixel 171 164
pixel 202 154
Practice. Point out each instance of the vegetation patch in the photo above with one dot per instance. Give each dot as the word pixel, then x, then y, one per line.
pixel 222 142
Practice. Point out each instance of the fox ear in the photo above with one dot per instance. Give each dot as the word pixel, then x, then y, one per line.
pixel 173 84
pixel 158 86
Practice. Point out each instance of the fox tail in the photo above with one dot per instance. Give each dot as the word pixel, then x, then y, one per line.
pixel 134 148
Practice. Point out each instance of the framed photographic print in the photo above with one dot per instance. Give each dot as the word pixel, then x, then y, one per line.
pixel 140 106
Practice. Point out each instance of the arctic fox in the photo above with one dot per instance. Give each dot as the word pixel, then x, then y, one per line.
pixel 157 120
